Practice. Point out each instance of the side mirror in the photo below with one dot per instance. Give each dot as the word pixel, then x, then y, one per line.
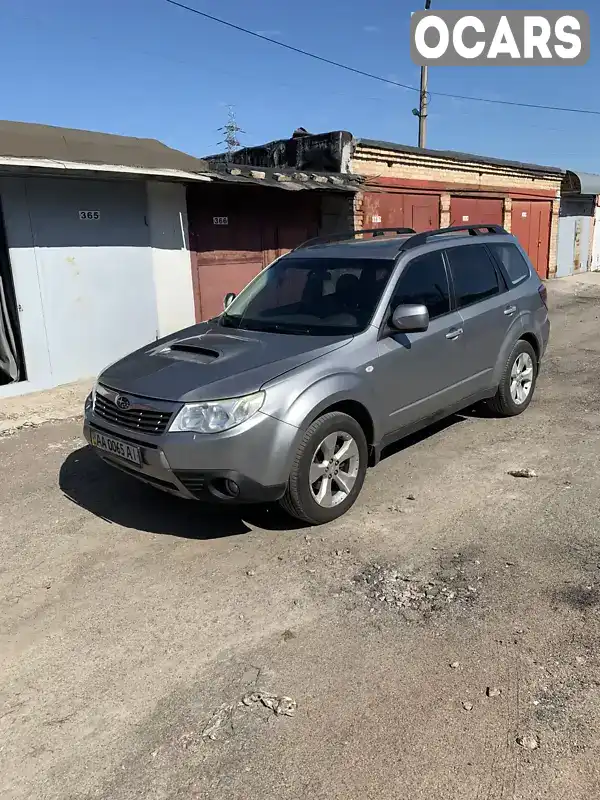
pixel 229 298
pixel 410 319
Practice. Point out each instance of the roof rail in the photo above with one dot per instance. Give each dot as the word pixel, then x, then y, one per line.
pixel 473 230
pixel 340 237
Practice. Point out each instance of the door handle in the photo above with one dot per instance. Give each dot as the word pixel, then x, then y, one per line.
pixel 509 310
pixel 454 334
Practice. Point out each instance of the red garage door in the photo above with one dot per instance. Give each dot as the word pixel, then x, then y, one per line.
pixel 396 209
pixel 531 226
pixel 476 210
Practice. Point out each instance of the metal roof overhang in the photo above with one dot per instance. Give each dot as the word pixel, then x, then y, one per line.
pixel 581 183
pixel 13 166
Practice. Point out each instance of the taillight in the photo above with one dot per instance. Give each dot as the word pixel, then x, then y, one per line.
pixel 543 292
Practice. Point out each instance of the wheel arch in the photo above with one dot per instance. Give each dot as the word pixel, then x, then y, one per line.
pixel 532 339
pixel 356 410
pixel 516 334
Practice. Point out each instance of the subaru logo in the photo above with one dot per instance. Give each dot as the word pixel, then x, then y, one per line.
pixel 122 402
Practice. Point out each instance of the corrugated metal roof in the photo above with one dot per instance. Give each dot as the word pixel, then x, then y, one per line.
pixel 287 179
pixel 457 156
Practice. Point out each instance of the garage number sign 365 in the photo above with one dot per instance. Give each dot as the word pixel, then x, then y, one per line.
pixel 89 215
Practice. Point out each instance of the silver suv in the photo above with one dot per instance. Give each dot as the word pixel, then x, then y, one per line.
pixel 336 350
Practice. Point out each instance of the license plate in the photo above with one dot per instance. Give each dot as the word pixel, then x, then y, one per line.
pixel 117 448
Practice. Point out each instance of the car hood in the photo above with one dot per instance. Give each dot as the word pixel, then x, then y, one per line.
pixel 209 362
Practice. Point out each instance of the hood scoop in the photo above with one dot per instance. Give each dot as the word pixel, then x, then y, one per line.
pixel 201 355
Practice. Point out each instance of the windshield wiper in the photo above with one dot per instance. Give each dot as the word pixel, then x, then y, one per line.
pixel 229 321
pixel 276 327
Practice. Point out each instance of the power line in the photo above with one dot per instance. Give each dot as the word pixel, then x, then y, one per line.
pixel 289 46
pixel 380 78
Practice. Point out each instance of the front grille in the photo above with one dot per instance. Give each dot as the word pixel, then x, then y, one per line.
pixel 193 481
pixel 143 419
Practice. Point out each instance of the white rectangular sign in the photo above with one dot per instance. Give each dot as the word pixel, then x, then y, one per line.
pixel 89 215
pixel 475 37
pixel 220 220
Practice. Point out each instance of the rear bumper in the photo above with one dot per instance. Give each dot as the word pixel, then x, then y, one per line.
pixel 249 464
pixel 545 336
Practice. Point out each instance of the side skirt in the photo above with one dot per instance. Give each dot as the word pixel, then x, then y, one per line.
pixel 408 430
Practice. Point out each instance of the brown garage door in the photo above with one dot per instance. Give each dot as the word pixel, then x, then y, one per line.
pixel 390 209
pixel 531 226
pixel 235 231
pixel 476 210
pixel 226 246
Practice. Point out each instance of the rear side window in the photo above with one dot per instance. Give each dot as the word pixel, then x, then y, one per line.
pixel 474 274
pixel 424 281
pixel 512 259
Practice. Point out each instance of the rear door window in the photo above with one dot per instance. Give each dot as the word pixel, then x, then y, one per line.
pixel 512 260
pixel 425 282
pixel 474 274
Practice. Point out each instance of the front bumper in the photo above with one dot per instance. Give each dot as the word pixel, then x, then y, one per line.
pixel 256 456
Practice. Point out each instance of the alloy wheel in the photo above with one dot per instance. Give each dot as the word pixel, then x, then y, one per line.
pixel 521 378
pixel 334 469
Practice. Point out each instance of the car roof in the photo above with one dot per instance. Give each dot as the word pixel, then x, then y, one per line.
pixel 389 247
pixel 377 247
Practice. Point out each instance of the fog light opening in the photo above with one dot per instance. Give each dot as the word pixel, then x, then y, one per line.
pixel 224 488
pixel 232 488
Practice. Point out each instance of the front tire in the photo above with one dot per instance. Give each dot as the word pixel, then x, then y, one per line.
pixel 328 471
pixel 517 384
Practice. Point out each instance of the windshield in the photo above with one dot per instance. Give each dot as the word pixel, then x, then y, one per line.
pixel 313 297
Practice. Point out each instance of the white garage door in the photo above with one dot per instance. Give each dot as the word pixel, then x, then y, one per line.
pixel 93 249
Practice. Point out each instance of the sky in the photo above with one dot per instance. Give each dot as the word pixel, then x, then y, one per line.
pixel 145 68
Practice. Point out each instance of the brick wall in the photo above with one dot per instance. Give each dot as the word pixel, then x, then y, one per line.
pixel 359 216
pixel 508 213
pixel 459 176
pixel 374 162
pixel 553 239
pixel 444 210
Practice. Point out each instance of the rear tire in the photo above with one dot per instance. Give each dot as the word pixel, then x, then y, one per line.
pixel 517 383
pixel 333 453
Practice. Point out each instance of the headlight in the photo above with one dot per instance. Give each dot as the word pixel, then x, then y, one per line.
pixel 91 398
pixel 214 416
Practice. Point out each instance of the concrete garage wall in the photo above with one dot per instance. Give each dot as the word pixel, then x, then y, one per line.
pixel 167 217
pixel 595 264
pixel 90 291
pixel 575 231
pixel 95 275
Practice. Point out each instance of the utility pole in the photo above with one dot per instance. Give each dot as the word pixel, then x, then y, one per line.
pixel 423 98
